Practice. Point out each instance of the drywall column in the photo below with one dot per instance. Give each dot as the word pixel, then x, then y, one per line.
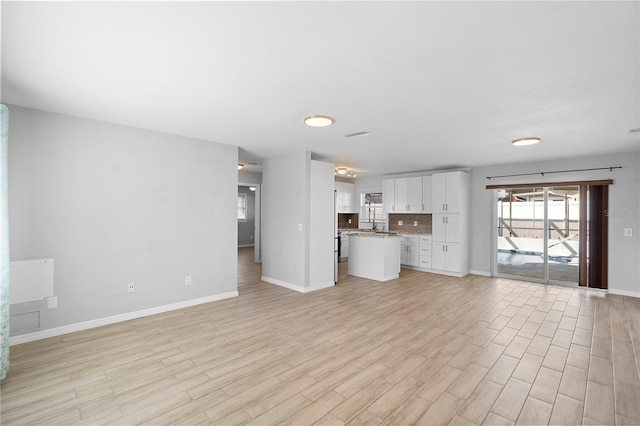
pixel 289 246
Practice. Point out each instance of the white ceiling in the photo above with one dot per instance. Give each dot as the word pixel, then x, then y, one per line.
pixel 438 84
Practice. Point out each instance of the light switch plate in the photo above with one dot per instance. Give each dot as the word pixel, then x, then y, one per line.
pixel 415 223
pixel 399 223
pixel 628 232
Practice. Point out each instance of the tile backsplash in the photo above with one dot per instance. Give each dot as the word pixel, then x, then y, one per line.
pixel 423 222
pixel 343 221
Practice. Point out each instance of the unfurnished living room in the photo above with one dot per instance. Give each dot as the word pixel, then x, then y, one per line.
pixel 321 213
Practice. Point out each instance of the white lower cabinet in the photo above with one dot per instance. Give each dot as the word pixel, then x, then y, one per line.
pixel 446 256
pixel 415 250
pixel 425 252
pixel 410 250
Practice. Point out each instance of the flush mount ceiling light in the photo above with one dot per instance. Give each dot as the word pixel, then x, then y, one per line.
pixel 252 188
pixel 525 141
pixel 343 171
pixel 318 121
pixel 240 166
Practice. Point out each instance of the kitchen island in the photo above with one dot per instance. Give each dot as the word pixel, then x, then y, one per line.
pixel 374 255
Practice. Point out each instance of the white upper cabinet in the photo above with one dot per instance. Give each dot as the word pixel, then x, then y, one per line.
pixel 415 195
pixel 403 195
pixel 389 195
pixel 447 192
pixel 427 198
pixel 345 197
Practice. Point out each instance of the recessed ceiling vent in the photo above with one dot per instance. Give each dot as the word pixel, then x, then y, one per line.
pixel 356 134
pixel 634 131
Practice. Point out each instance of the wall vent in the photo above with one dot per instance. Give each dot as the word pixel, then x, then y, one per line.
pixel 356 134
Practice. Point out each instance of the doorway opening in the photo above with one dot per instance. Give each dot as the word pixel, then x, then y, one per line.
pixel 249 218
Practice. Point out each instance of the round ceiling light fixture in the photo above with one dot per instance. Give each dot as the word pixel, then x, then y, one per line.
pixel 318 121
pixel 526 141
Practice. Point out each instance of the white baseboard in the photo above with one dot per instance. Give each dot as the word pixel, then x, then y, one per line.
pixel 435 271
pixel 297 287
pixel 71 328
pixel 319 287
pixel 624 292
pixel 482 273
pixel 282 284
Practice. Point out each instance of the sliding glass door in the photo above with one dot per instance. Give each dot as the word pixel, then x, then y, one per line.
pixel 563 234
pixel 537 233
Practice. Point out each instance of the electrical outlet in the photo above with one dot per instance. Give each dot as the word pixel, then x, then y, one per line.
pixel 131 288
pixel 187 280
pixel 628 232
pixel 349 221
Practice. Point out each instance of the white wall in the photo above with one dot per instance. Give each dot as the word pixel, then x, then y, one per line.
pixel 245 177
pixel 284 209
pixel 321 226
pixel 624 203
pixel 114 204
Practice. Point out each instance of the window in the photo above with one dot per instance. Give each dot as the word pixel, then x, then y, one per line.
pixel 242 207
pixel 371 207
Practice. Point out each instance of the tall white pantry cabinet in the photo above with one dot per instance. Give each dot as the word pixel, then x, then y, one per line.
pixel 450 223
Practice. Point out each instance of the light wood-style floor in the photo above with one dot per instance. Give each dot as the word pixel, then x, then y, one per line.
pixel 423 349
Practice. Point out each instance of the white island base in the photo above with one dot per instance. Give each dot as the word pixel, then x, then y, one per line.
pixel 374 256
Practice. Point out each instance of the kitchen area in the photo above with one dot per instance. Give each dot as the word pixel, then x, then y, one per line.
pixel 416 222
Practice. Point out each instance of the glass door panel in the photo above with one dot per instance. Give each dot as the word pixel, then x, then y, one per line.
pixel 521 233
pixel 563 233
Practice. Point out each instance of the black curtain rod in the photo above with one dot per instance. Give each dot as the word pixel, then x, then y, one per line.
pixel 556 171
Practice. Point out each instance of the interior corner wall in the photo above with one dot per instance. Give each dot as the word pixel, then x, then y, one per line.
pixel 115 204
pixel 285 219
pixel 624 210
